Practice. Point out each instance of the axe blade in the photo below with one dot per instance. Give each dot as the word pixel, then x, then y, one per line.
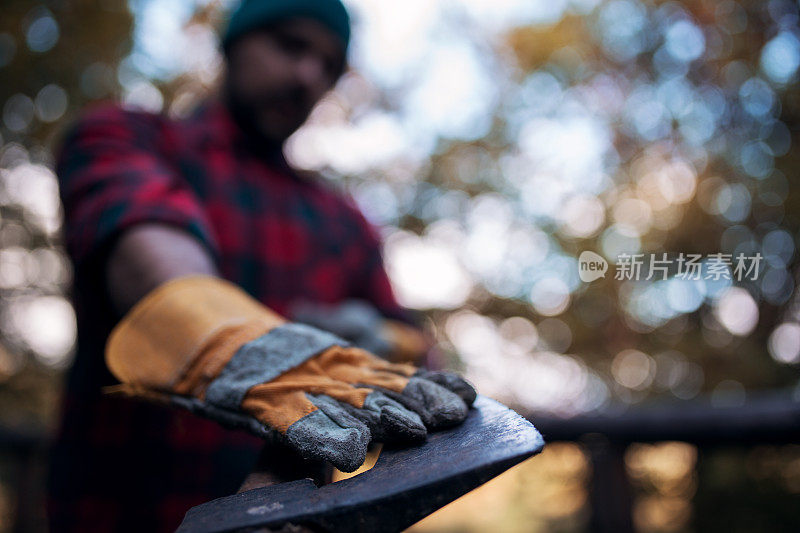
pixel 404 486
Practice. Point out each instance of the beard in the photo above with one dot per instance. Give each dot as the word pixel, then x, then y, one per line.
pixel 268 120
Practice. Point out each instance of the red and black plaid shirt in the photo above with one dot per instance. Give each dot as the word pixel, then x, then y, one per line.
pixel 123 465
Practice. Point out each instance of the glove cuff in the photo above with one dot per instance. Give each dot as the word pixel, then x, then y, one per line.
pixel 158 342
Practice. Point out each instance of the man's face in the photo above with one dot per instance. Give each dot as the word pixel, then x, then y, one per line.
pixel 276 75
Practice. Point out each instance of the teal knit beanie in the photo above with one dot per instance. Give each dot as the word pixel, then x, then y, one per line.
pixel 254 14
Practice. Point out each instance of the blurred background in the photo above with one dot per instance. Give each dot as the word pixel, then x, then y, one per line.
pixel 493 141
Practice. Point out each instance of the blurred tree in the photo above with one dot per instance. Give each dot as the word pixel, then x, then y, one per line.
pixel 55 57
pixel 699 118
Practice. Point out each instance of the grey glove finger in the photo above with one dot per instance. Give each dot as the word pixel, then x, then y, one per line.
pixel 435 405
pixel 389 420
pixel 452 382
pixel 411 404
pixel 330 433
pixel 445 408
pixel 399 424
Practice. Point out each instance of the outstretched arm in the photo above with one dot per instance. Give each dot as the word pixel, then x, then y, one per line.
pixel 147 255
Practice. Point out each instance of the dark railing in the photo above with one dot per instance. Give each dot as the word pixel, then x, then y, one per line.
pixel 772 417
pixel 766 418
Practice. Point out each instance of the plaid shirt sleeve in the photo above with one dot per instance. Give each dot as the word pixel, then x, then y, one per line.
pixel 113 174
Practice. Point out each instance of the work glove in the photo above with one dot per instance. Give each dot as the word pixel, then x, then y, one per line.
pixel 209 347
pixel 363 325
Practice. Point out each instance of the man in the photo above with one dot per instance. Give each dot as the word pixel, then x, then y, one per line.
pixel 190 242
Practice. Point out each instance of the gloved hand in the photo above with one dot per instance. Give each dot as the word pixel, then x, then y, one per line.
pixel 362 324
pixel 215 350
